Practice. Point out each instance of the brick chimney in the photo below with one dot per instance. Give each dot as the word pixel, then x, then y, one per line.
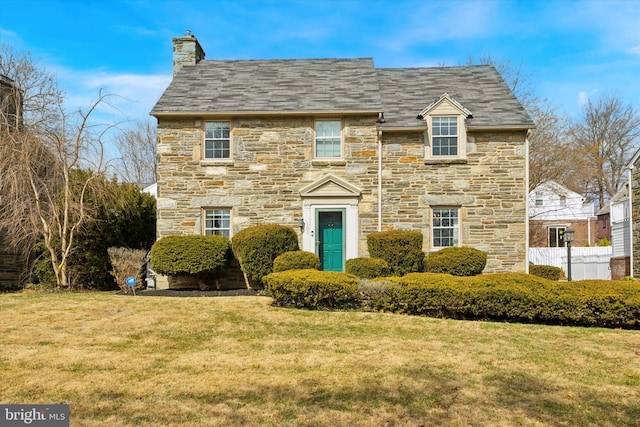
pixel 186 51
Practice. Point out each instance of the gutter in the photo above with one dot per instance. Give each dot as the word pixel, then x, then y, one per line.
pixel 231 113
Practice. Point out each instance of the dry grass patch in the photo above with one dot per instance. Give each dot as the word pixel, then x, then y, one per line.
pixel 156 361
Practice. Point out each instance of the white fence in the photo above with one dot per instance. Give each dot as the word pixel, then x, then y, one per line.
pixel 586 262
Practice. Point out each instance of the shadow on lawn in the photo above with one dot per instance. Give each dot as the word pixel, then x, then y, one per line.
pixel 552 405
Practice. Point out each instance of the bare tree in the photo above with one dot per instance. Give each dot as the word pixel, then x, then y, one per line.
pixel 550 152
pixel 137 146
pixel 44 193
pixel 606 137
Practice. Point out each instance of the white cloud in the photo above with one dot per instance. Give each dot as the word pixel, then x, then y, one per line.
pixel 634 50
pixel 133 95
pixel 583 98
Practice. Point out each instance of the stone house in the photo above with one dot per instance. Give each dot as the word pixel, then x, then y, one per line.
pixel 338 149
pixel 554 208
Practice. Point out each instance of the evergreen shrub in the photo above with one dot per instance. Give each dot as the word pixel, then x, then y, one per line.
pixel 312 289
pixel 367 268
pixel 549 272
pixel 401 249
pixel 205 257
pixel 457 261
pixel 515 297
pixel 257 247
pixel 296 260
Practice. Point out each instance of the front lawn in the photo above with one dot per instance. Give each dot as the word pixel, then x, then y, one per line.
pixel 161 361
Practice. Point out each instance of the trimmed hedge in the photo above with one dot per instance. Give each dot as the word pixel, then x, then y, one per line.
pixel 204 257
pixel 457 261
pixel 401 249
pixel 312 289
pixel 296 260
pixel 548 272
pixel 257 247
pixel 514 297
pixel 367 268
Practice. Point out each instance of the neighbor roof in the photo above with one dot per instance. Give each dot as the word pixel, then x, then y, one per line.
pixel 339 86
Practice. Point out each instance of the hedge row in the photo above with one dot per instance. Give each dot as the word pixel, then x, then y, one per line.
pixel 514 297
pixel 501 297
pixel 312 289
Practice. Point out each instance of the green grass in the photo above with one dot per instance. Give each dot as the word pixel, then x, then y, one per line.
pixel 159 361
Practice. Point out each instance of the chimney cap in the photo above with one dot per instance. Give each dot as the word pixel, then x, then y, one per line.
pixel 187 33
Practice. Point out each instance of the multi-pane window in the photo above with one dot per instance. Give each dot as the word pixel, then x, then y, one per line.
pixel 539 198
pixel 328 139
pixel 444 136
pixel 217 144
pixel 445 227
pixel 217 222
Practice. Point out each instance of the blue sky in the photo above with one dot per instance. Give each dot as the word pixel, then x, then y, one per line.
pixel 570 50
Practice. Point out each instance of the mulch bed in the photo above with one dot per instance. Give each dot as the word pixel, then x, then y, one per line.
pixel 198 293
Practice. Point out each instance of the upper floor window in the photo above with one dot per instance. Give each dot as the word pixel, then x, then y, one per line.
pixel 217 222
pixel 217 143
pixel 328 139
pixel 444 132
pixel 539 198
pixel 445 227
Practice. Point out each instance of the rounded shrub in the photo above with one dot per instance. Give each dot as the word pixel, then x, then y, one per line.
pixel 257 247
pixel 205 257
pixel 549 272
pixel 296 260
pixel 401 249
pixel 367 268
pixel 313 289
pixel 457 261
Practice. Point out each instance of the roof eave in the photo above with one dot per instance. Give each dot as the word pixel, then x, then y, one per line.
pixel 230 113
pixel 501 127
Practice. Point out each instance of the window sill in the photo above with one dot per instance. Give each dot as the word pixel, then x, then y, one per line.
pixel 328 162
pixel 433 161
pixel 217 162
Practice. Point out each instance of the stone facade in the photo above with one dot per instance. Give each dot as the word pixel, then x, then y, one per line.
pixel 272 161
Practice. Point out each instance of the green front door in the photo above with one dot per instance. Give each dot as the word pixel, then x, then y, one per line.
pixel 331 240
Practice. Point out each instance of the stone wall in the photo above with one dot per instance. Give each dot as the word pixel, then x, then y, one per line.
pixel 272 161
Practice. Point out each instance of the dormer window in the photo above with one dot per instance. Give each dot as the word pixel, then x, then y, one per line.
pixel 444 136
pixel 447 136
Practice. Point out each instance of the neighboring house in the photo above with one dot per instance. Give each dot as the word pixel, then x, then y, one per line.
pixel 603 221
pixel 620 233
pixel 338 149
pixel 552 209
pixel 12 262
pixel 151 189
pixel 634 234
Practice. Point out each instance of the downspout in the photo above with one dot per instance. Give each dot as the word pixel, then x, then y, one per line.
pixel 526 204
pixel 379 180
pixel 630 222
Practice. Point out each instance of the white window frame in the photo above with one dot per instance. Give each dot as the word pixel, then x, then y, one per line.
pixel 443 129
pixel 559 236
pixel 209 214
pixel 327 138
pixel 455 228
pixel 461 135
pixel 539 198
pixel 214 140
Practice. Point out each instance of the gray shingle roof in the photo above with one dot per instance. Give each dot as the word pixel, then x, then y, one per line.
pixel 405 92
pixel 273 86
pixel 339 85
